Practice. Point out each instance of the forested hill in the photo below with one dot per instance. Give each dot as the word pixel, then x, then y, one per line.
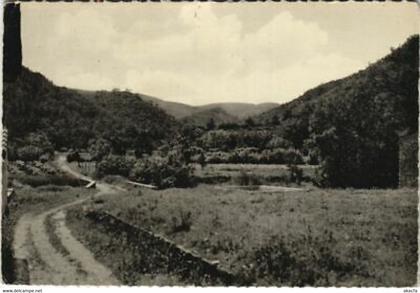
pixel 390 84
pixel 355 123
pixel 34 108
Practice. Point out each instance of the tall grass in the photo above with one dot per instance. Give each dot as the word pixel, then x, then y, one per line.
pixel 327 237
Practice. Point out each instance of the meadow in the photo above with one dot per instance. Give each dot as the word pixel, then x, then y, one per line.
pixel 316 237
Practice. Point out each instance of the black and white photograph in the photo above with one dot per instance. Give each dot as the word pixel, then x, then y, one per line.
pixel 206 144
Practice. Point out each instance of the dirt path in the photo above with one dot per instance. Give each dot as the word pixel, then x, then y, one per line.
pixel 47 265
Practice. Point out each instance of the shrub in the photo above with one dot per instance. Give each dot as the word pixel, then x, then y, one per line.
pixel 202 160
pixel 31 148
pixel 29 153
pixel 163 172
pixel 73 156
pixel 45 158
pixel 295 173
pixel 251 155
pixel 115 165
pixel 278 142
pixel 99 148
pixel 41 180
pixel 312 159
pixel 247 179
pixel 309 261
pixel 293 156
pixel 183 224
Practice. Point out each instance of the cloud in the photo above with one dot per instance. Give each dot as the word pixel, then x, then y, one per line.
pixel 196 55
pixel 215 60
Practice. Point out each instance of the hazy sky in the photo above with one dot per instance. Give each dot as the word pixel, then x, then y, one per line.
pixel 199 53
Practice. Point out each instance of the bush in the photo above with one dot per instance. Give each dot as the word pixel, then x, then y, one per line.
pixel 183 224
pixel 114 165
pixel 73 156
pixel 309 261
pixel 293 156
pixel 29 153
pixel 312 159
pixel 163 172
pixel 99 148
pixel 295 173
pixel 42 180
pixel 254 156
pixel 31 148
pixel 247 179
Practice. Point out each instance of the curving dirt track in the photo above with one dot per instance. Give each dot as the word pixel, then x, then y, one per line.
pixel 72 265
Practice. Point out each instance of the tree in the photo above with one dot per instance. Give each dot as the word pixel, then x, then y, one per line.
pixel 99 148
pixel 249 122
pixel 357 145
pixel 211 124
pixel 275 120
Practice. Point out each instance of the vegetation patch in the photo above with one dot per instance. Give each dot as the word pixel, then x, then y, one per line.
pixel 43 180
pixel 138 254
pixel 341 237
pixel 249 174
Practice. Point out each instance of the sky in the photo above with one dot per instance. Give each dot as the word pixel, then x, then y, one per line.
pixel 199 53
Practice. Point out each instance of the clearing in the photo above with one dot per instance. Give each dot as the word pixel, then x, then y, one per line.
pixel 313 237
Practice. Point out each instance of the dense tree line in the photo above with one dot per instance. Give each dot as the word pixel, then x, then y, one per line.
pixel 75 119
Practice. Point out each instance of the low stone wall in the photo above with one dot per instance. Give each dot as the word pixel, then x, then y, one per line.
pixel 172 259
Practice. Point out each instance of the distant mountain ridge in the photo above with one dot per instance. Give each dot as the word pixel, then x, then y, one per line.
pixel 216 115
pixel 238 110
pixel 241 110
pixel 181 110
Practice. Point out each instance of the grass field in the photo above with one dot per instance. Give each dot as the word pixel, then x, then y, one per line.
pixel 316 237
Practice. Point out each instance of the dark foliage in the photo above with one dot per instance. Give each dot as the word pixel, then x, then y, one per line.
pixel 248 179
pixel 42 180
pixel 295 173
pixel 183 224
pixel 71 118
pixel 114 165
pixel 73 156
pixel 317 264
pixel 163 172
pixel 254 156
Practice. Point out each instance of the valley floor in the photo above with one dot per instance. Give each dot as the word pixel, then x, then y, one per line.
pixel 291 237
pixel 310 237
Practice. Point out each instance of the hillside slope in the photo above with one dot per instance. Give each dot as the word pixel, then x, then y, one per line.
pixel 354 123
pixel 238 110
pixel 241 110
pixel 394 76
pixel 69 118
pixel 178 110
